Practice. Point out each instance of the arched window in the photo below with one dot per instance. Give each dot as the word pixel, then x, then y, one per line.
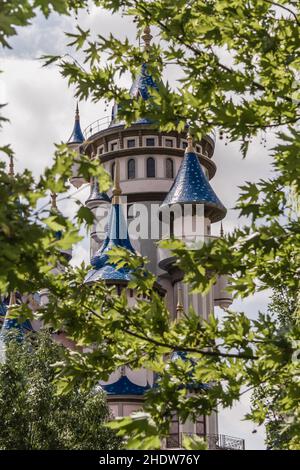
pixel 113 171
pixel 169 168
pixel 131 169
pixel 150 167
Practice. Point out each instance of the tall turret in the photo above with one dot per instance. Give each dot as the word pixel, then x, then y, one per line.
pixel 75 142
pixel 155 169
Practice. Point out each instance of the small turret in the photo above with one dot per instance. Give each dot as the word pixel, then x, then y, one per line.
pixel 12 324
pixel 77 135
pixel 117 236
pixel 192 187
pixel 75 143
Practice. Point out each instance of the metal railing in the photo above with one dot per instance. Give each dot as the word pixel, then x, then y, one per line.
pixel 96 126
pixel 104 123
pixel 214 441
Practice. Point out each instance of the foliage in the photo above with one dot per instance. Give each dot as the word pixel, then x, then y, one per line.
pixel 279 435
pixel 33 416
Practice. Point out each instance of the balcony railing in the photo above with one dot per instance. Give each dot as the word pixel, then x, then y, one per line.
pixel 104 123
pixel 214 441
pixel 96 126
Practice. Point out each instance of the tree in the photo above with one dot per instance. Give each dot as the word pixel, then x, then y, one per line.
pixel 239 64
pixel 282 310
pixel 33 416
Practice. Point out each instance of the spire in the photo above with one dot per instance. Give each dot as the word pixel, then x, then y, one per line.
pixel 77 117
pixel 12 324
pixel 192 187
pixel 96 196
pixel 116 191
pixel 53 202
pixel 179 307
pixel 11 171
pixel 147 36
pixel 190 147
pixel 116 236
pixel 12 300
pixel 221 230
pixel 77 135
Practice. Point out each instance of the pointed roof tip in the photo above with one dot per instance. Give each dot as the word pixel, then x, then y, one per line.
pixel 116 191
pixel 12 299
pixel 96 196
pixel 11 171
pixel 221 230
pixel 190 147
pixel 54 201
pixel 147 37
pixel 179 307
pixel 77 136
pixel 191 186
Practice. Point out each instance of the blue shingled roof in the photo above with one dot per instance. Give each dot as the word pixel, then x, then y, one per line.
pixel 192 187
pixel 142 84
pixel 192 385
pixel 117 236
pixel 12 324
pixel 141 87
pixel 96 195
pixel 124 386
pixel 77 136
pixel 3 309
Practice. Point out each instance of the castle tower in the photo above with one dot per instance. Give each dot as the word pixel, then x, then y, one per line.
pixel 125 387
pixel 156 170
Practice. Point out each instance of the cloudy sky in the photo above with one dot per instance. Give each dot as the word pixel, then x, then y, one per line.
pixel 41 111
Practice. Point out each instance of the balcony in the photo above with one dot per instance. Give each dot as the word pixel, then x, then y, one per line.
pixel 214 441
pixel 105 122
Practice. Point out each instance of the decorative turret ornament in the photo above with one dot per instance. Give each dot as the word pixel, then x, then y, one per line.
pixel 11 171
pixel 179 306
pixel 147 37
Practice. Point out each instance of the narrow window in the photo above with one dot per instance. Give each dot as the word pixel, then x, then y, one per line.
pixel 169 143
pixel 131 169
pixel 200 426
pixel 130 143
pixel 150 142
pixel 150 167
pixel 114 146
pixel 169 168
pixel 112 171
pixel 184 145
pixel 173 439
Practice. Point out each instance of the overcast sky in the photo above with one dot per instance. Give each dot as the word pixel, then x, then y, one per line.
pixel 41 111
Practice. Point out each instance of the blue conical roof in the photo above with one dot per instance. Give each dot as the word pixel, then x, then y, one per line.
pixel 96 196
pixel 124 386
pixel 117 236
pixel 141 87
pixel 77 136
pixel 192 187
pixel 12 324
pixel 143 84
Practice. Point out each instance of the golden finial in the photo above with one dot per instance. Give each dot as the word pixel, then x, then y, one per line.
pixel 147 36
pixel 221 230
pixel 53 201
pixel 12 299
pixel 11 171
pixel 189 147
pixel 179 306
pixel 116 192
